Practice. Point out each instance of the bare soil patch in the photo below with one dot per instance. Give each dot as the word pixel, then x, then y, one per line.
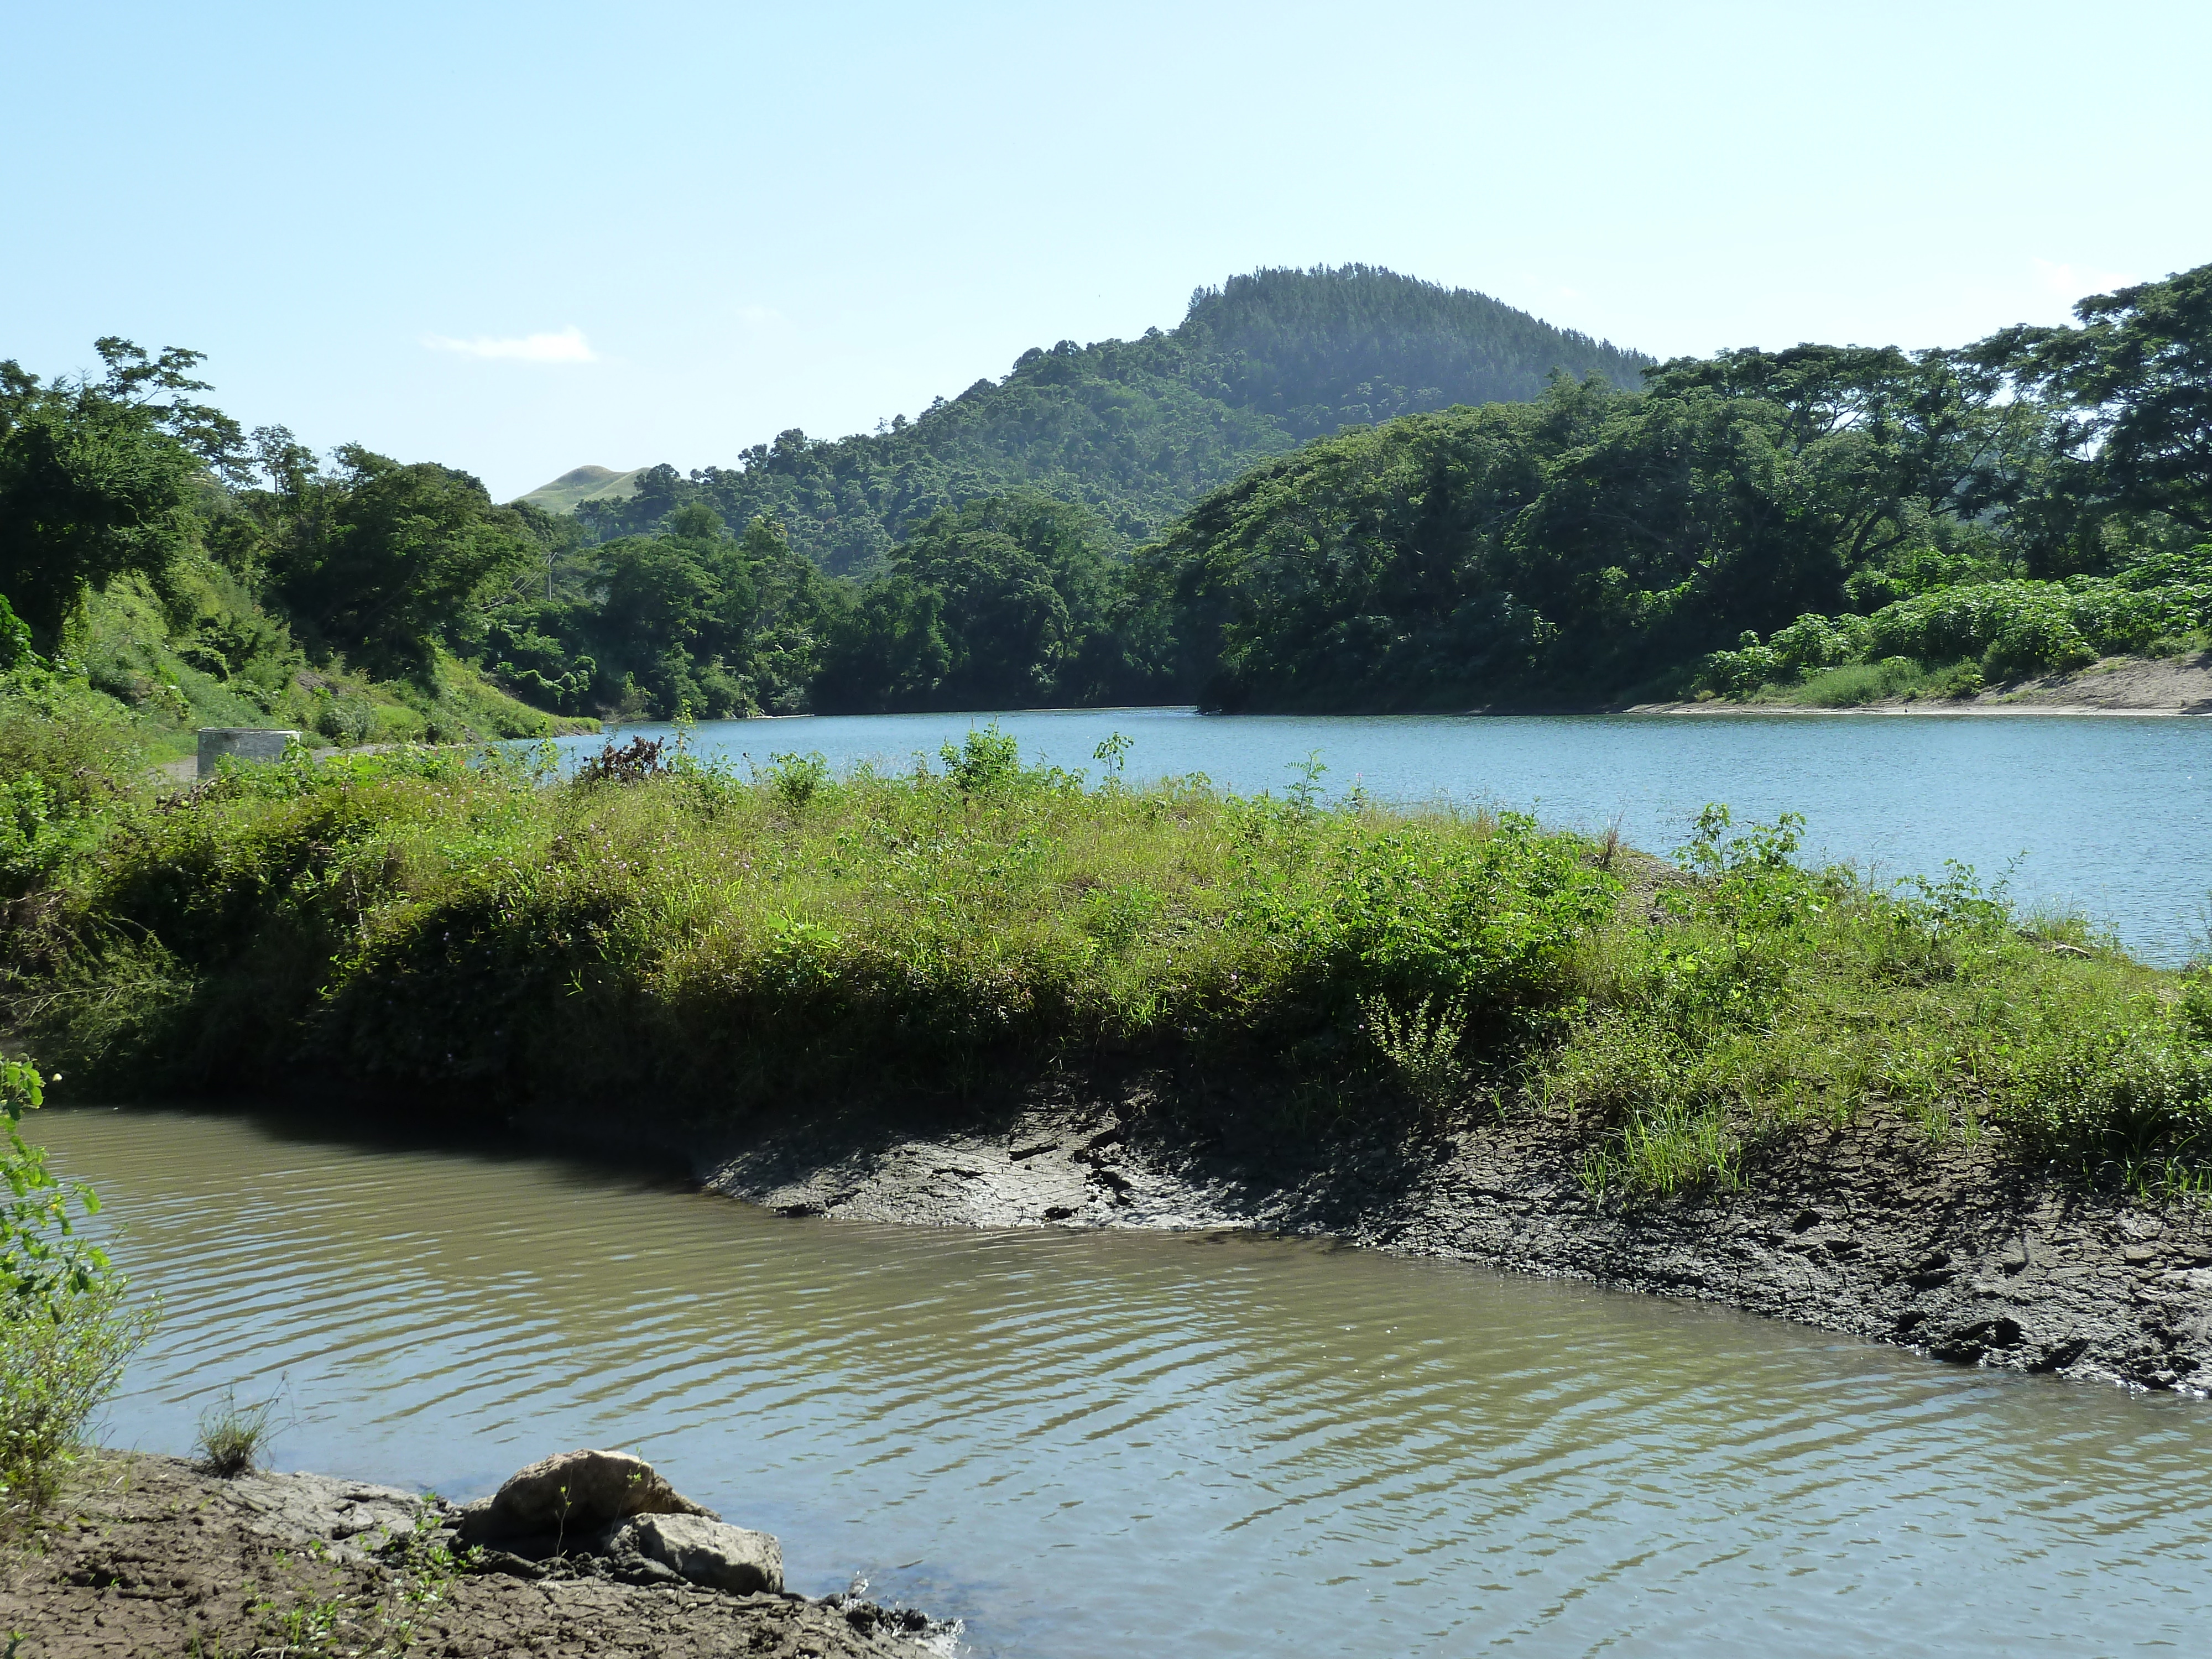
pixel 2116 685
pixel 150 1555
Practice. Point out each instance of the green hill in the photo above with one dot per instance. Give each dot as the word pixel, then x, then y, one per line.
pixel 1136 430
pixel 580 484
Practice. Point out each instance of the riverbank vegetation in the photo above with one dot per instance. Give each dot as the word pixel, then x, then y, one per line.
pixel 666 943
pixel 156 559
pixel 65 1328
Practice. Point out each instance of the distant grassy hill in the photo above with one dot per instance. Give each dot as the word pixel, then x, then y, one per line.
pixel 580 484
pixel 1135 430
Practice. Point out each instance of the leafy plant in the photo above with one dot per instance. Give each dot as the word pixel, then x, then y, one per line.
pixel 65 1330
pixel 1423 1049
pixel 797 778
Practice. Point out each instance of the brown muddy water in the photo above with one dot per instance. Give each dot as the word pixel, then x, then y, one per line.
pixel 1182 1444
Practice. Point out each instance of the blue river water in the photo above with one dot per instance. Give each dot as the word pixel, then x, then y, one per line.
pixel 2111 816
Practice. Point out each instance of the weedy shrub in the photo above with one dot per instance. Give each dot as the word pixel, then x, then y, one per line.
pixel 797 778
pixel 630 762
pixel 1423 1049
pixel 65 1328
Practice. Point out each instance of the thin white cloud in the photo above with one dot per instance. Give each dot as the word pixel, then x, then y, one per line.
pixel 2073 282
pixel 568 346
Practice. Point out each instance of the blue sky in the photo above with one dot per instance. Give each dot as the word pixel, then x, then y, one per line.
pixel 516 238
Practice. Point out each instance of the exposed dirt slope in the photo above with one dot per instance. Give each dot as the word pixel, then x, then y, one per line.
pixel 1870 1229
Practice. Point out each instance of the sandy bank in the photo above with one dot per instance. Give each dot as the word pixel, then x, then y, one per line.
pixel 2118 685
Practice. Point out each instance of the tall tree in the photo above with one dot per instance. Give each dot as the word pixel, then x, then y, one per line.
pixel 2135 378
pixel 98 477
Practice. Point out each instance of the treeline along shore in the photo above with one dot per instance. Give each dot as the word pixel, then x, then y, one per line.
pixel 1905 1110
pixel 1334 489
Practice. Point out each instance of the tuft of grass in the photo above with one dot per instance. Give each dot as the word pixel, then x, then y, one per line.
pixel 231 1437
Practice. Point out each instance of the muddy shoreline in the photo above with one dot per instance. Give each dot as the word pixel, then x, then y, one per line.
pixel 2137 686
pixel 155 1555
pixel 1872 1230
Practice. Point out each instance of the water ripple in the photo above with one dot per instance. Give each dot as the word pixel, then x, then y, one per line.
pixel 1085 1443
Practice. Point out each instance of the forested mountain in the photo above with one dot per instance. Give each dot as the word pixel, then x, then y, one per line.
pixel 1743 521
pixel 1135 430
pixel 2026 503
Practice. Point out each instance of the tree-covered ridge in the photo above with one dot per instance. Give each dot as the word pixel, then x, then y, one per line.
pixel 1910 520
pixel 1317 350
pixel 167 562
pixel 1137 430
pixel 1600 543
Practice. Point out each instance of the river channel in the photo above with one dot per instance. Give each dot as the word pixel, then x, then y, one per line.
pixel 1203 1446
pixel 2103 814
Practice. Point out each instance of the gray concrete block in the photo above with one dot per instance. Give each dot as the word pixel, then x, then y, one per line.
pixel 247 743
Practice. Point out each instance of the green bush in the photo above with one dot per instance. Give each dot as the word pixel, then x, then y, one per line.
pixel 64 1330
pixel 2010 629
pixel 2126 1095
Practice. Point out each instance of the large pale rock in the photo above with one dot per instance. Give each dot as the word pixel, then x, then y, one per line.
pixel 573 1496
pixel 707 1551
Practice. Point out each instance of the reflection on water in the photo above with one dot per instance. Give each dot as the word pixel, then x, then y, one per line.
pixel 2106 813
pixel 1096 1444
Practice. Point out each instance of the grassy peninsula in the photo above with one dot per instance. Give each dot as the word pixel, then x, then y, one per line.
pixel 664 942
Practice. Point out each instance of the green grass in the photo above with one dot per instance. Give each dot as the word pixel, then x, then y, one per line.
pixel 1854 685
pixel 697 945
pixel 128 651
pixel 230 1438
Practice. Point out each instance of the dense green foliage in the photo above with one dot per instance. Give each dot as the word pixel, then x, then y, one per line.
pixel 654 940
pixel 1927 523
pixel 1136 429
pixel 150 552
pixel 65 1332
pixel 1990 631
pixel 1588 542
pixel 1598 543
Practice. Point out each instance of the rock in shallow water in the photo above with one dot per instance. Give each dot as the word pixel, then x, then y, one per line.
pixel 709 1553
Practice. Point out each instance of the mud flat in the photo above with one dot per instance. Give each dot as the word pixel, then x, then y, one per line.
pixel 1871 1230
